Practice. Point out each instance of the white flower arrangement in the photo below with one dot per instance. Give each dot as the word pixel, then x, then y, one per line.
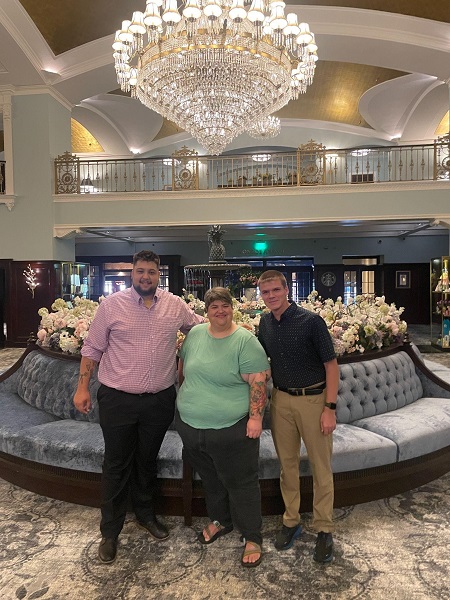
pixel 366 323
pixel 198 306
pixel 66 327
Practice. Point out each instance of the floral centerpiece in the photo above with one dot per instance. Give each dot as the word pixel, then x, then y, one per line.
pixel 248 279
pixel 66 327
pixel 366 323
pixel 198 306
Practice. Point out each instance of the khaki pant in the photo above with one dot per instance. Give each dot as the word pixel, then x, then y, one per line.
pixel 296 418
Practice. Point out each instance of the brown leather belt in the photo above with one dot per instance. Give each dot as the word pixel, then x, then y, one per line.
pixel 308 391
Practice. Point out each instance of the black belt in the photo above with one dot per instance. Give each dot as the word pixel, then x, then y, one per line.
pixel 301 391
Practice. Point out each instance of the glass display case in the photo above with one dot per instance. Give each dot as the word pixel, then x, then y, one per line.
pixel 75 280
pixel 440 303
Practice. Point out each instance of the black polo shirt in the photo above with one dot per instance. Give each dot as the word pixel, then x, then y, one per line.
pixel 298 346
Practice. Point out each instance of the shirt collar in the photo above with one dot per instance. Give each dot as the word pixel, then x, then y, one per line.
pixel 138 298
pixel 289 312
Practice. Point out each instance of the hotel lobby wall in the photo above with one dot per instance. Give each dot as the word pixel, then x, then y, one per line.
pixel 40 131
pixel 324 203
pixel 412 249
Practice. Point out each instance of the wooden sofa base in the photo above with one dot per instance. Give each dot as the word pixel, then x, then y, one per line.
pixel 185 497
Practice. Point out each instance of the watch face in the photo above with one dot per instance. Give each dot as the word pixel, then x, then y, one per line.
pixel 328 279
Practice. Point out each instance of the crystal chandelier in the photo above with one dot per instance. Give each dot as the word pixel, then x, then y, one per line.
pixel 214 67
pixel 265 128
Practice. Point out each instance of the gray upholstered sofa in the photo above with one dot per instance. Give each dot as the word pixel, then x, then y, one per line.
pixel 393 433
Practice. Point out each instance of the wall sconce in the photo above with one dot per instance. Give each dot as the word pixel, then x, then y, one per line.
pixel 30 279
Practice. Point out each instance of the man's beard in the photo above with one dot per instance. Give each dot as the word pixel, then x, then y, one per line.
pixel 150 292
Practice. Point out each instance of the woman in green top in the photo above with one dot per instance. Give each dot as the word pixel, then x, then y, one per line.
pixel 223 370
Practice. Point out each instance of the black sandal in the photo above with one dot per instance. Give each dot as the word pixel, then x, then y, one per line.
pixel 255 550
pixel 221 531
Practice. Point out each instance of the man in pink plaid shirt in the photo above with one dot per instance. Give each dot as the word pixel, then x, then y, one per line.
pixel 133 340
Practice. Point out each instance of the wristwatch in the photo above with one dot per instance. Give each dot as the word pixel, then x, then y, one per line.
pixel 331 405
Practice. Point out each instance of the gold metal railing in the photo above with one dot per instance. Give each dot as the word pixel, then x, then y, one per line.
pixel 312 164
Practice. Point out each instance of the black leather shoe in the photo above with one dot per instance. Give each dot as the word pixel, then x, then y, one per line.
pixel 323 552
pixel 107 550
pixel 155 528
pixel 287 536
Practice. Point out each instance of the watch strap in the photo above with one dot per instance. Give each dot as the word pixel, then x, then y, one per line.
pixel 331 405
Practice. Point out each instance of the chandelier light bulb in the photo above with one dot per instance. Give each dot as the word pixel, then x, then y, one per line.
pixel 117 44
pixel 192 10
pixel 152 17
pixel 292 27
pixel 213 67
pixel 256 12
pixel 237 11
pixel 304 37
pixel 137 23
pixel 312 46
pixel 125 34
pixel 171 15
pixel 212 9
pixel 278 21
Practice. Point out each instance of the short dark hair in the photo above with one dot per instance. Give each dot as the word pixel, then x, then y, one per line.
pixel 146 255
pixel 218 293
pixel 271 275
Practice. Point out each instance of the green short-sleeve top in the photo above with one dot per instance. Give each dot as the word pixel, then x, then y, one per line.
pixel 213 394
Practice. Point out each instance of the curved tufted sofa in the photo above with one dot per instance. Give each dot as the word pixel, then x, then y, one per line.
pixel 393 433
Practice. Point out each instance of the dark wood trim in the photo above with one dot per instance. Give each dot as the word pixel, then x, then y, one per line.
pixel 185 497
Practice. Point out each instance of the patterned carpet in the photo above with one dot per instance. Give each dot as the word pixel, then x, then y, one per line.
pixel 395 548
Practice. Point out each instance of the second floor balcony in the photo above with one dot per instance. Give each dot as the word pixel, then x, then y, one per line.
pixel 310 165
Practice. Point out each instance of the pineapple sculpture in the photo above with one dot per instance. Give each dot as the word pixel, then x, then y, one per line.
pixel 216 248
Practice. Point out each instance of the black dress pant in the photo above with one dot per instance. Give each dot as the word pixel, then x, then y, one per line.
pixel 133 427
pixel 227 462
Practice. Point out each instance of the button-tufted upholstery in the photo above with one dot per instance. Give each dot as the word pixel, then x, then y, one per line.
pixel 382 415
pixel 376 386
pixel 50 385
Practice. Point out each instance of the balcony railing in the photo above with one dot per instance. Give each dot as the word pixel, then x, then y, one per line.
pixel 312 164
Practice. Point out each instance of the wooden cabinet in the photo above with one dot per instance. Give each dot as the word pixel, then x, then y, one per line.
pixel 54 279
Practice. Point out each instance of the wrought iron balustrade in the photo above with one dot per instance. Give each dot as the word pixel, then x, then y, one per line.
pixel 312 164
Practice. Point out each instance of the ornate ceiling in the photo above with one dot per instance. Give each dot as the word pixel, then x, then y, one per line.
pixel 382 77
pixel 66 25
pixel 381 73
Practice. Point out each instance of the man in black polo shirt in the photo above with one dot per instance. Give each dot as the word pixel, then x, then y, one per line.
pixel 305 375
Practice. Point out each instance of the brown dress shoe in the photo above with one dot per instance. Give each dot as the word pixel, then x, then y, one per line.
pixel 107 550
pixel 155 529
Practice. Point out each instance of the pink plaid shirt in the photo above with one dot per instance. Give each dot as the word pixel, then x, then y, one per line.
pixel 135 345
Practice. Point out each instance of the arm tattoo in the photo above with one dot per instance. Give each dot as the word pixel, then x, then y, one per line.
pixel 86 375
pixel 257 398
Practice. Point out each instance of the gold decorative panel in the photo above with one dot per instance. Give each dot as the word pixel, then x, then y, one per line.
pixel 311 163
pixel 67 174
pixel 83 140
pixel 66 25
pixel 167 128
pixel 335 92
pixel 444 125
pixel 437 10
pixel 185 169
